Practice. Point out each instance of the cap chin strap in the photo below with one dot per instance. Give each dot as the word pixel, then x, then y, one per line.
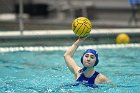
pixel 83 69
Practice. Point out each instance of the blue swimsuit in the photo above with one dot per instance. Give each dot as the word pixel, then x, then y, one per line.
pixel 86 80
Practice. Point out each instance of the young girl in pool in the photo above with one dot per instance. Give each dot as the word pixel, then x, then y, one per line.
pixel 87 74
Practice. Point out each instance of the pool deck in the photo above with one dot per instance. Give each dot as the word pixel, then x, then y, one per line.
pixel 47 37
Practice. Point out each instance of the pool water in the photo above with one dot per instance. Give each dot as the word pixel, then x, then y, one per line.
pixel 46 72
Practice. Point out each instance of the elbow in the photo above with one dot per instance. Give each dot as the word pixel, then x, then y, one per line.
pixel 65 55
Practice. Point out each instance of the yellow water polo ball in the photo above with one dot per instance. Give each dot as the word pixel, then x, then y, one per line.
pixel 122 38
pixel 81 26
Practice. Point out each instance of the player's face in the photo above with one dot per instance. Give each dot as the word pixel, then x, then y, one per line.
pixel 89 60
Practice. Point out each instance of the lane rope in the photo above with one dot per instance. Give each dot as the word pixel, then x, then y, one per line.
pixel 63 48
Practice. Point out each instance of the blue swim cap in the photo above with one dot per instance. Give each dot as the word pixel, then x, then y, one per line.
pixel 93 52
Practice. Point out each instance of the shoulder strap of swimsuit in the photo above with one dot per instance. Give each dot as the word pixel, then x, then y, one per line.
pixel 92 79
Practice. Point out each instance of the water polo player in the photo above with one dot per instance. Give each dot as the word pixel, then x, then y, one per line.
pixel 87 74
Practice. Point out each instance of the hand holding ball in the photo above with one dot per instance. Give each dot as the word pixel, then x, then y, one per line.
pixel 81 26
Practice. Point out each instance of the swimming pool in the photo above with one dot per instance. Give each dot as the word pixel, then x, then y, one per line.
pixel 46 72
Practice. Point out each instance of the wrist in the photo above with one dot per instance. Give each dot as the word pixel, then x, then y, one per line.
pixel 82 38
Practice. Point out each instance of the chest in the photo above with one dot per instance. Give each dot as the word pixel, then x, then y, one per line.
pixel 90 80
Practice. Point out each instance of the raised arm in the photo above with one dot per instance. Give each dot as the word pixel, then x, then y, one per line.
pixel 68 56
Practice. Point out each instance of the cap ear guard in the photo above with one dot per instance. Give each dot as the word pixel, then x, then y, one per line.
pixel 97 61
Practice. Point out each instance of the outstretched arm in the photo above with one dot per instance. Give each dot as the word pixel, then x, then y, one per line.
pixel 103 79
pixel 68 56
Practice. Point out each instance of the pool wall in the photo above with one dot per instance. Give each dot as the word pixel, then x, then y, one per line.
pixel 63 37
